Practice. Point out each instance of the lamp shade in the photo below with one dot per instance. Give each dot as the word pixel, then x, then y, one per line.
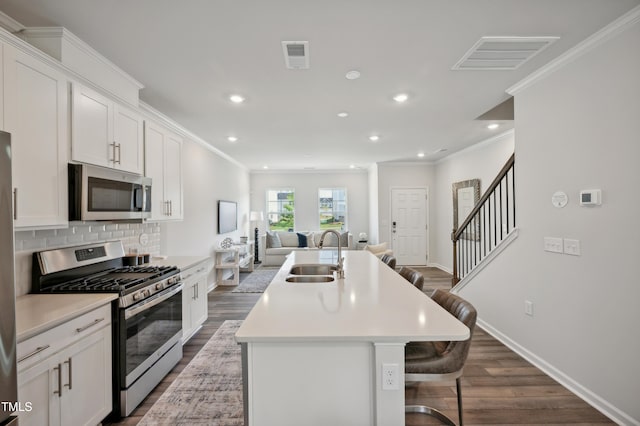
pixel 255 216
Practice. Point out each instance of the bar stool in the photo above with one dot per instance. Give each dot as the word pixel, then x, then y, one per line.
pixel 413 276
pixel 440 361
pixel 389 260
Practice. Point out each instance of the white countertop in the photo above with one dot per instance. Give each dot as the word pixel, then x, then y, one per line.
pixel 36 313
pixel 372 303
pixel 182 262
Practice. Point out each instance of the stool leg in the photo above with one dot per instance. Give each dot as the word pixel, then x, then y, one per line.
pixel 458 391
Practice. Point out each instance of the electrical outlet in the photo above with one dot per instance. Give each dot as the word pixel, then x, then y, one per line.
pixel 572 247
pixel 528 307
pixel 390 377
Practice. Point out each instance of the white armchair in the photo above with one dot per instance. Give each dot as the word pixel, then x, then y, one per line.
pixel 379 249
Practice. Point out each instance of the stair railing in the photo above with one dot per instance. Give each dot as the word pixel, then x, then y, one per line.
pixel 490 221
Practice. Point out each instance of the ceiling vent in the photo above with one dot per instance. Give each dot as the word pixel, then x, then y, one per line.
pixel 502 53
pixel 296 54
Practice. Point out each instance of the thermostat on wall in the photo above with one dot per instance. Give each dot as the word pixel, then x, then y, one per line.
pixel 590 197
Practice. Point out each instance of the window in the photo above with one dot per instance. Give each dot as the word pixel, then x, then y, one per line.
pixel 280 209
pixel 332 203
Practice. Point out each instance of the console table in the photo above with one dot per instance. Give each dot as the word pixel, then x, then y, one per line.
pixel 235 258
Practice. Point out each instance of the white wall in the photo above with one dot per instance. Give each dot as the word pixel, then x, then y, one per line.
pixel 306 187
pixel 578 128
pixel 482 161
pixel 207 178
pixel 373 204
pixel 402 175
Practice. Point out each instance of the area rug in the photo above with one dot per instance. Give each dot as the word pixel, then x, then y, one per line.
pixel 209 389
pixel 256 281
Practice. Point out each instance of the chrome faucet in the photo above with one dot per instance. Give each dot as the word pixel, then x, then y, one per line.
pixel 340 270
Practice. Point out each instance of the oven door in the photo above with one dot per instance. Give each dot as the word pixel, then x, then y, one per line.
pixel 147 331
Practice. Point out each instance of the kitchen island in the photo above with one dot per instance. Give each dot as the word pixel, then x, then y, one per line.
pixel 314 353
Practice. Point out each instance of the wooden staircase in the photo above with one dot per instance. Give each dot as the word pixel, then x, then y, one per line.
pixel 487 225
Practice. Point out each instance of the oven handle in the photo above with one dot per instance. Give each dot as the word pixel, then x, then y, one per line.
pixel 152 301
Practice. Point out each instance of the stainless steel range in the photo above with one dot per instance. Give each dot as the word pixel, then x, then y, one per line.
pixel 147 321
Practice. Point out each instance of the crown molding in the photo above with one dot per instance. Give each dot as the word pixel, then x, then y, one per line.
pixel 156 115
pixel 10 24
pixel 63 33
pixel 481 144
pixel 309 172
pixel 616 27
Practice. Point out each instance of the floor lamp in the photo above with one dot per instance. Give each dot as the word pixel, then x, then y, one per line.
pixel 256 217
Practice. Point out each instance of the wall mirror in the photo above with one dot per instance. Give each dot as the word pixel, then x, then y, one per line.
pixel 466 195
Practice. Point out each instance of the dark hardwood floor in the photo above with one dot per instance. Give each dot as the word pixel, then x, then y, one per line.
pixel 498 387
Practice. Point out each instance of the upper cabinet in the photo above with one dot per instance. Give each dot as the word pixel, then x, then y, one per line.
pixel 163 164
pixel 36 105
pixel 105 133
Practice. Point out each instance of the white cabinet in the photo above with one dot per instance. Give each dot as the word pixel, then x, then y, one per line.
pixel 105 133
pixel 65 372
pixel 194 299
pixel 163 164
pixel 36 105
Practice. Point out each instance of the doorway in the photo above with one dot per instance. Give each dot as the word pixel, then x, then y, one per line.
pixel 409 231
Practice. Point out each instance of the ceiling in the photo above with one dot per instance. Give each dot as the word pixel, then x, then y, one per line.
pixel 192 54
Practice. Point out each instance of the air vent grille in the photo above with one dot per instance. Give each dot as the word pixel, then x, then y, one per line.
pixel 502 53
pixel 296 54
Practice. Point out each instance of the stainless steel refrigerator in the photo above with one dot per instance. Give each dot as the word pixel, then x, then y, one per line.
pixel 8 375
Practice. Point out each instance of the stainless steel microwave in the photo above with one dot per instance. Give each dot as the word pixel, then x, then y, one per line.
pixel 98 193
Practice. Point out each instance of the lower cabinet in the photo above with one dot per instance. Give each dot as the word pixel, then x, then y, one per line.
pixel 70 385
pixel 194 299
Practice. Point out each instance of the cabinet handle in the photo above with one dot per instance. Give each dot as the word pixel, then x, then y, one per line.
pixel 113 152
pixel 70 367
pixel 59 391
pixel 170 208
pixel 15 203
pixel 83 328
pixel 119 153
pixel 166 208
pixel 34 352
pixel 194 297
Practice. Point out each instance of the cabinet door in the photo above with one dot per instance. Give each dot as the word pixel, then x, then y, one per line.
pixel 86 380
pixel 92 128
pixel 199 308
pixel 37 385
pixel 173 175
pixel 36 114
pixel 188 293
pixel 154 168
pixel 129 141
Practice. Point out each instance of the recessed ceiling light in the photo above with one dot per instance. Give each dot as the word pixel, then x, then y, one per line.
pixel 493 126
pixel 343 114
pixel 236 99
pixel 353 75
pixel 232 139
pixel 440 150
pixel 352 166
pixel 265 167
pixel 401 97
pixel 374 138
pixel 421 154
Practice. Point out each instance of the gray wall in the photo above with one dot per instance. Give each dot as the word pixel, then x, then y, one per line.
pixel 577 128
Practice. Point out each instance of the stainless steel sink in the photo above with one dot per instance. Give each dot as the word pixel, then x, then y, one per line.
pixel 313 269
pixel 309 279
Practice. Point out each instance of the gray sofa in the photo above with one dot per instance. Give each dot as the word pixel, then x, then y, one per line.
pixel 272 255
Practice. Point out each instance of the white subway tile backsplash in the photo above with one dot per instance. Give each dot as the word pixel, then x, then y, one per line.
pixel 27 242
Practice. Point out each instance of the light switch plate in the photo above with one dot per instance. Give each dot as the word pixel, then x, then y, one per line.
pixel 553 244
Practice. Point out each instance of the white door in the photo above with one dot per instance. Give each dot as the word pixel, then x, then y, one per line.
pixel 409 225
pixel 129 140
pixel 92 128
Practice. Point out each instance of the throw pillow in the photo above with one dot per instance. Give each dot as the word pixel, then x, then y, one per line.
pixel 302 240
pixel 376 248
pixel 273 240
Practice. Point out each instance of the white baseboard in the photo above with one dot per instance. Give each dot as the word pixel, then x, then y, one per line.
pixel 441 267
pixel 588 396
